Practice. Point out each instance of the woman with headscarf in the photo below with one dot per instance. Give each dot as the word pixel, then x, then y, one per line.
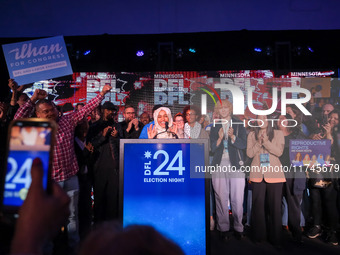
pixel 320 160
pixel 163 127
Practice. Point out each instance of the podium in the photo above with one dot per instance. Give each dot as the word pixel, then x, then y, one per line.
pixel 160 186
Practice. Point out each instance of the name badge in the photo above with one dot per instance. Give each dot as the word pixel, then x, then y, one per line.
pixel 264 159
pixel 225 144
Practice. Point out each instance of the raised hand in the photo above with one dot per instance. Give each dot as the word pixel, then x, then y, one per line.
pixel 173 128
pixel 220 134
pixel 105 90
pixel 114 132
pixel 135 123
pixel 230 132
pixel 106 130
pixel 38 95
pixel 152 132
pixel 317 136
pixel 13 85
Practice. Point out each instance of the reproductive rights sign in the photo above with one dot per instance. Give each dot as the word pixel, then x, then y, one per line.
pixel 36 60
pixel 306 152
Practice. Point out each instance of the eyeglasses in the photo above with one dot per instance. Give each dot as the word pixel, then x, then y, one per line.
pixel 179 120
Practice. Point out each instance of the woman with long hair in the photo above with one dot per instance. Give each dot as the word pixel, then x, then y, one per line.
pixel 295 181
pixel 265 145
pixel 323 189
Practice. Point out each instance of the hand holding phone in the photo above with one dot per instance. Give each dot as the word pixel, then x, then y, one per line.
pixel 27 140
pixel 41 215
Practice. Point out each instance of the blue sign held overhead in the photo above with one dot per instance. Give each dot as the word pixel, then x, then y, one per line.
pixel 36 60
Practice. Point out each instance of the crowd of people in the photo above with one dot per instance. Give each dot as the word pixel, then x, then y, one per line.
pixel 86 158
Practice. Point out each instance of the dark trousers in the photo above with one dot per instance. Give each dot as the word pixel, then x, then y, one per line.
pixel 266 211
pixel 105 198
pixel 84 204
pixel 294 208
pixel 324 201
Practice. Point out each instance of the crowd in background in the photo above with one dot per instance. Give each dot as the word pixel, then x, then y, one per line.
pixel 268 203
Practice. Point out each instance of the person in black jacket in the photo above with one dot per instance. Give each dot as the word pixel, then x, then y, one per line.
pixel 131 127
pixel 295 180
pixel 83 153
pixel 104 135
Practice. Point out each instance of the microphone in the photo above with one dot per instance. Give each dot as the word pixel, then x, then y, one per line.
pixel 166 130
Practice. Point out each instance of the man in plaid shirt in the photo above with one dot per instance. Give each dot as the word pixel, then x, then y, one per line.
pixel 65 164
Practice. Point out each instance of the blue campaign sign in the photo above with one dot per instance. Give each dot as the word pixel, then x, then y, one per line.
pixel 37 60
pixel 157 189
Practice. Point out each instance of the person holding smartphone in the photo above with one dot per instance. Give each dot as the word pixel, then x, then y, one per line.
pixel 65 167
pixel 41 215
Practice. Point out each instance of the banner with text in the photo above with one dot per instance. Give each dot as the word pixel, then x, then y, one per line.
pixel 36 60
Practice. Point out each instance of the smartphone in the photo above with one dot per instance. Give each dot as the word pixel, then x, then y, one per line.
pixel 27 140
pixel 324 119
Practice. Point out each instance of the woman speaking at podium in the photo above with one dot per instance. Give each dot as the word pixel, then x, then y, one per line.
pixel 163 127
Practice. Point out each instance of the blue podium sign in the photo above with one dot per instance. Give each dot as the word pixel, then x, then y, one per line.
pixel 156 189
pixel 37 60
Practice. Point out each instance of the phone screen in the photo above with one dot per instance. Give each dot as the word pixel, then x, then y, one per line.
pixel 27 141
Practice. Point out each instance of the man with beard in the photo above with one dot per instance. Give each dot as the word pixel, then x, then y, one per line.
pixel 131 126
pixel 104 136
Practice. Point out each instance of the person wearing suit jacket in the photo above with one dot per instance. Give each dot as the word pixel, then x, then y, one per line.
pixel 228 143
pixel 265 145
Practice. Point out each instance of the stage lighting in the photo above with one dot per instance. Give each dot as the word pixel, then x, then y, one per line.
pixel 258 49
pixel 310 49
pixel 269 51
pixel 140 53
pixel 192 50
pixel 87 52
pixel 179 53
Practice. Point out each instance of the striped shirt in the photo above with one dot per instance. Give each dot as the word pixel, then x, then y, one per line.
pixel 64 158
